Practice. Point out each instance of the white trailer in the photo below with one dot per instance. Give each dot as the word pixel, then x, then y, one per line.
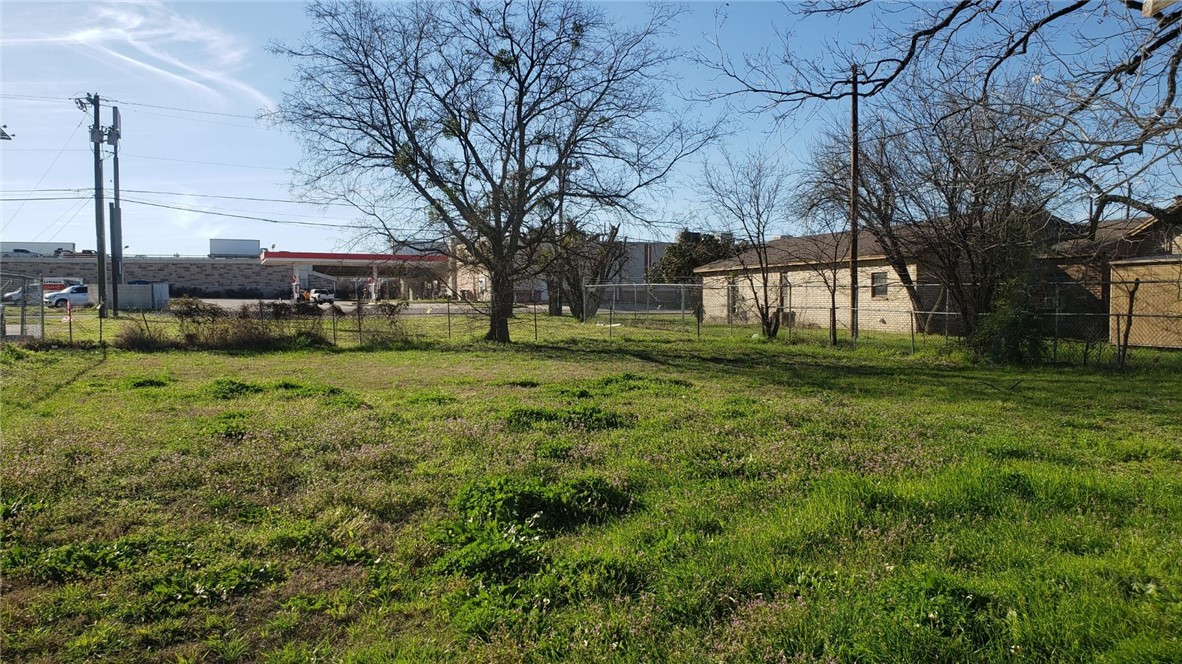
pixel 226 248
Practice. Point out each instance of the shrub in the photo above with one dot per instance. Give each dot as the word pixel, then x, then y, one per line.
pixel 1014 333
pixel 139 335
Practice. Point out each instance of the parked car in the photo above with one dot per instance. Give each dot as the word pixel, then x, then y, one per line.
pixel 320 295
pixel 77 296
pixel 19 294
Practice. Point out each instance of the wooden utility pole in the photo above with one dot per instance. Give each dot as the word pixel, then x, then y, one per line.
pixel 97 137
pixel 854 203
pixel 113 135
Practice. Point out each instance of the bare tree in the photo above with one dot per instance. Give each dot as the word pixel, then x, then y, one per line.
pixel 581 258
pixel 751 198
pixel 959 186
pixel 1109 77
pixel 823 248
pixel 474 110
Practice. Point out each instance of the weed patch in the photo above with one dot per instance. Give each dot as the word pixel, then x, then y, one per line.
pixel 230 388
pixel 586 418
pixel 140 382
pixel 229 426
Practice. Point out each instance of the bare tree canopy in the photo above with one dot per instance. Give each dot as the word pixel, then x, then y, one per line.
pixel 1108 78
pixel 751 198
pixel 963 189
pixel 476 110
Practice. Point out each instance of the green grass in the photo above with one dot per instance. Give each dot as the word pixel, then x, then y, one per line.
pixel 651 498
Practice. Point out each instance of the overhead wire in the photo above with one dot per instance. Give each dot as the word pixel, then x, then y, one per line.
pixel 208 163
pixel 46 172
pixel 288 222
pixel 78 208
pixel 184 110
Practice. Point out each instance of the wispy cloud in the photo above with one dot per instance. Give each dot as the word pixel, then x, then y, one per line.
pixel 154 38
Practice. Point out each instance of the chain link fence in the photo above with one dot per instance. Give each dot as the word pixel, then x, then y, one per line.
pixel 23 316
pixel 1078 322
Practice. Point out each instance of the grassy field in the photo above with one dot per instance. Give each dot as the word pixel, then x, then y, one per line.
pixel 650 499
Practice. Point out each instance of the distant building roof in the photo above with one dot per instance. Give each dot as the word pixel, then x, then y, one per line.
pixel 320 258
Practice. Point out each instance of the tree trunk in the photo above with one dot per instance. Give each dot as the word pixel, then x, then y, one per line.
pixel 832 316
pixel 554 296
pixel 500 308
pixel 769 316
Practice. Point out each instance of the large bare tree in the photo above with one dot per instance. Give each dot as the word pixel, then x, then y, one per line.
pixel 1108 74
pixel 475 111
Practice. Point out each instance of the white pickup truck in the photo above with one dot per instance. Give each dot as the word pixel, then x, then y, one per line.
pixel 77 296
pixel 319 295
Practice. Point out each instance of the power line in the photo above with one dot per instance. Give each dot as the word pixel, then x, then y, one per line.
pixel 18 97
pixel 213 122
pixel 287 222
pixel 186 193
pixel 236 198
pixel 207 163
pixel 77 208
pixel 47 170
pixel 40 198
pixel 146 156
pixel 34 98
pixel 183 110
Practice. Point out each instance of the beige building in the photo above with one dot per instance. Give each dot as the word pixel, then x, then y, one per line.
pixel 1080 275
pixel 1155 286
pixel 805 274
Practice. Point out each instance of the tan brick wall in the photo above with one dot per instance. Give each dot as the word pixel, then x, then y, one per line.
pixel 805 295
pixel 1157 307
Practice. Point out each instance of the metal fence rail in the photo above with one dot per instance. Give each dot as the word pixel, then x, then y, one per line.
pixel 1080 322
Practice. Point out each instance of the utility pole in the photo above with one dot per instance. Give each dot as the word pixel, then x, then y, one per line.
pixel 114 133
pixel 96 137
pixel 854 203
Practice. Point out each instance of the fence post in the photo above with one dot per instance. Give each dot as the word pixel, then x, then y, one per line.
pixel 449 320
pixel 25 305
pixel 683 308
pixel 1055 341
pixel 586 293
pixel 947 315
pixel 359 314
pixel 611 315
pixel 912 321
pixel 333 309
pixel 535 321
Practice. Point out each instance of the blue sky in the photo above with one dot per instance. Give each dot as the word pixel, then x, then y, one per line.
pixel 189 79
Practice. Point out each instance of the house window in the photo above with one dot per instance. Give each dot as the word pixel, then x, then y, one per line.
pixel 878 284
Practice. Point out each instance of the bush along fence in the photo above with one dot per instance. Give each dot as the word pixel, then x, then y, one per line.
pixel 1058 322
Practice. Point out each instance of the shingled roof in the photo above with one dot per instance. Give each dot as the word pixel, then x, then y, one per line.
pixel 825 247
pixel 1110 234
pixel 803 250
